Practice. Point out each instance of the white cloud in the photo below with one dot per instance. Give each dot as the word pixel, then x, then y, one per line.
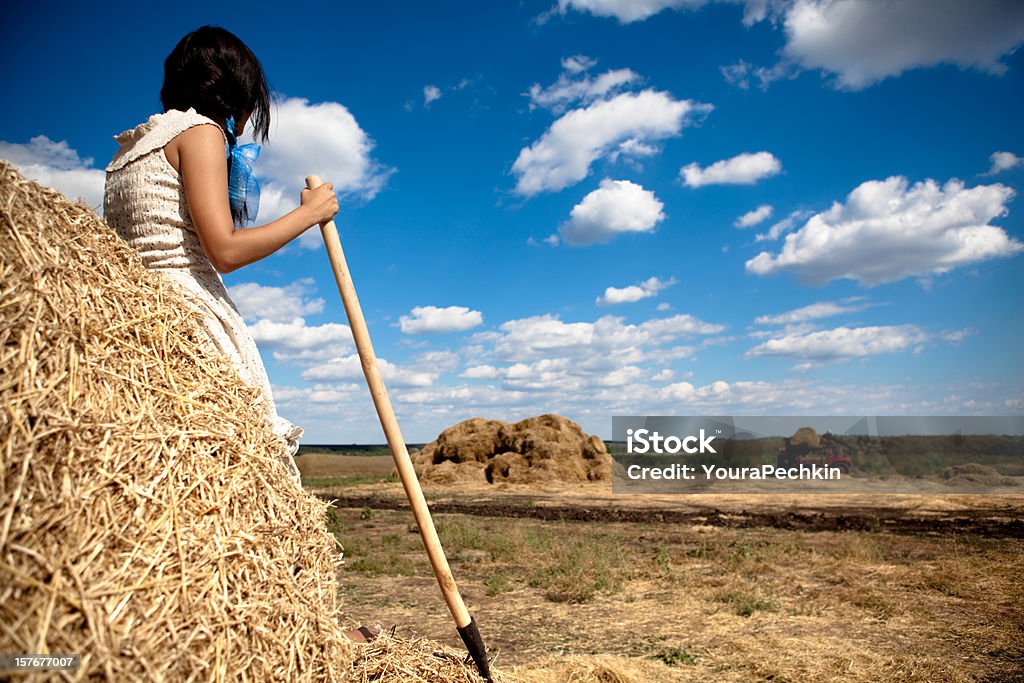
pixel 743 169
pixel 278 304
pixel 626 11
pixel 296 341
pixel 606 343
pixel 438 361
pixel 319 138
pixel 537 336
pixel 785 225
pixel 431 93
pixel 578 63
pixel 1004 161
pixel 617 206
pixel 275 318
pixel 57 165
pixel 632 149
pixel 821 309
pixel 772 398
pixel 481 372
pixel 755 216
pixel 576 85
pixel 470 399
pixel 861 42
pixel 844 343
pixel 956 337
pixel 349 368
pixel 866 41
pixel 562 156
pixel 663 330
pixel 432 319
pixel 887 231
pixel 633 293
pixel 330 395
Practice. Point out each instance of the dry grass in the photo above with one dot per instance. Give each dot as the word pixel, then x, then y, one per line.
pixel 706 603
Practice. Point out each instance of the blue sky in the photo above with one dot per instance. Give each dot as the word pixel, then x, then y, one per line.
pixel 599 207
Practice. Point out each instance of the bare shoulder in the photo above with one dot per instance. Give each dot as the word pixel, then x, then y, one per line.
pixel 204 140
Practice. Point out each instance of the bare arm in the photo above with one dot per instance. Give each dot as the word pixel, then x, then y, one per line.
pixel 199 153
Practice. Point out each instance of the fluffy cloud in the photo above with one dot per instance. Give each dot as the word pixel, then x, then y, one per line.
pixel 467 399
pixel 755 216
pixel 278 304
pixel 821 309
pixel 955 337
pixel 296 341
pixel 844 343
pixel 575 85
pixel 431 319
pixel 861 42
pixel 438 361
pixel 1004 161
pixel 481 372
pixel 626 11
pixel 743 169
pixel 349 368
pixel 431 93
pixel 566 359
pixel 866 41
pixel 562 156
pixel 617 206
pixel 57 165
pixel 275 318
pixel 785 225
pixel 324 138
pixel 887 231
pixel 633 293
pixel 607 342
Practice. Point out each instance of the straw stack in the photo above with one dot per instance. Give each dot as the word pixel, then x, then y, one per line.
pixel 146 520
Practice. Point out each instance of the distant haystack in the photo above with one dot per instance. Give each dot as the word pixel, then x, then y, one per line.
pixel 146 520
pixel 806 436
pixel 543 449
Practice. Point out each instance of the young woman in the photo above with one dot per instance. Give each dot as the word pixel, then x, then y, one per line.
pixel 167 193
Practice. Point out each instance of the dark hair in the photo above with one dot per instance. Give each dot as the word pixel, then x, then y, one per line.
pixel 215 73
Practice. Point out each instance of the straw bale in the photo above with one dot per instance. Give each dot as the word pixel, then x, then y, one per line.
pixel 974 473
pixel 542 449
pixel 147 521
pixel 806 436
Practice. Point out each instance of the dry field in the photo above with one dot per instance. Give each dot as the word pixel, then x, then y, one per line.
pixel 695 588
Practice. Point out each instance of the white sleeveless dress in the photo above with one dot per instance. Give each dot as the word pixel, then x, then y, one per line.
pixel 144 202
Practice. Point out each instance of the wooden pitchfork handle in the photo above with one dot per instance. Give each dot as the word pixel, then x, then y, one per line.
pixel 463 621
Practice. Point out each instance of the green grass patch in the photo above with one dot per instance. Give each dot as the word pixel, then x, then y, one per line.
pixel 746 603
pixel 496 585
pixel 674 657
pixel 583 568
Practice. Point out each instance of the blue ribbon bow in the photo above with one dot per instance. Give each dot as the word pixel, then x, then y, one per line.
pixel 243 188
